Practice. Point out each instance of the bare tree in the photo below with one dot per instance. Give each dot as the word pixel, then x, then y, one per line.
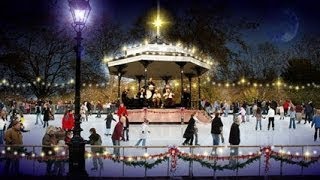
pixel 308 47
pixel 40 57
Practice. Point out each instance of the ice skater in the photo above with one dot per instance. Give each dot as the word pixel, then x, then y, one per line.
pixel 293 115
pixel 108 120
pixel 316 123
pixel 270 115
pixel 189 132
pixel 144 131
pixel 95 140
pixel 258 115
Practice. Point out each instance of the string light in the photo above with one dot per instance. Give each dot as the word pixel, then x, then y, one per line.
pixel 243 81
pixel 314 152
pixel 307 153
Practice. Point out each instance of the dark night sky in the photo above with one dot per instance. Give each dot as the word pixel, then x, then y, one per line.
pixel 277 17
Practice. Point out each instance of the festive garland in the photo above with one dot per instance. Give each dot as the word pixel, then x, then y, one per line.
pixel 288 158
pixel 215 166
pixel 174 154
pixel 144 164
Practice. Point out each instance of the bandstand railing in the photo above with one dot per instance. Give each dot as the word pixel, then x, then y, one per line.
pixel 169 161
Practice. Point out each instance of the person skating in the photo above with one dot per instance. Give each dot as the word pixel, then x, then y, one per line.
pixel 189 132
pixel 95 140
pixel 216 131
pixel 270 115
pixel 292 114
pixel 117 135
pixel 316 123
pixel 108 120
pixel 258 115
pixel 144 131
pixel 13 136
pixel 234 139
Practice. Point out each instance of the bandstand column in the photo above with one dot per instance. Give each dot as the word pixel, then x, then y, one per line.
pixel 139 78
pixel 189 76
pixel 198 71
pixel 120 73
pixel 181 65
pixel 145 65
pixel 119 82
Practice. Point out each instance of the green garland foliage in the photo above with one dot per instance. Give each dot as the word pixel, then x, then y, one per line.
pixel 299 163
pixel 215 166
pixel 144 164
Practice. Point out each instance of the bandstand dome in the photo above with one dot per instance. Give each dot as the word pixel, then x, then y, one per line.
pixel 158 59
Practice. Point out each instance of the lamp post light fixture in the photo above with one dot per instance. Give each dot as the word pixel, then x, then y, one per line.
pixel 80 10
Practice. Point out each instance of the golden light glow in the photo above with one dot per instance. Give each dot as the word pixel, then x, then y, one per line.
pixel 38 79
pixel 243 80
pixel 158 19
pixel 278 83
pixel 158 22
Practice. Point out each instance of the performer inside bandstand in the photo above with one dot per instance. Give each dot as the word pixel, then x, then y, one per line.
pixel 124 96
pixel 151 86
pixel 141 96
pixel 156 99
pixel 168 96
pixel 186 99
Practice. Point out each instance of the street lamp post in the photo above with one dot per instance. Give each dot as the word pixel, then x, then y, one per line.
pixel 80 10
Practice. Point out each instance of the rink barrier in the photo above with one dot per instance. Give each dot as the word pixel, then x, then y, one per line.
pixel 34 153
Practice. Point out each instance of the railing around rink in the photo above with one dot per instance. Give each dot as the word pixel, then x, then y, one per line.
pixel 169 161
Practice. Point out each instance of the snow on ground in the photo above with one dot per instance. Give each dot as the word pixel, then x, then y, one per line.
pixel 164 135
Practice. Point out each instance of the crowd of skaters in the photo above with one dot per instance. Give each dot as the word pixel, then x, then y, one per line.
pixel 62 135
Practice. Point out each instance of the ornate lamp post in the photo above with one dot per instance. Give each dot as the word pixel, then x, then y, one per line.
pixel 80 10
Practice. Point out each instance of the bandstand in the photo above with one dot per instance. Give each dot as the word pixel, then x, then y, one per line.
pixel 159 60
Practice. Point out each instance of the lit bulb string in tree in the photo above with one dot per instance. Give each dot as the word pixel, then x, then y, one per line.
pixel 173 153
pixel 241 83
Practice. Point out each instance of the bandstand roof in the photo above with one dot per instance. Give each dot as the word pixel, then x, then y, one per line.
pixel 162 60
